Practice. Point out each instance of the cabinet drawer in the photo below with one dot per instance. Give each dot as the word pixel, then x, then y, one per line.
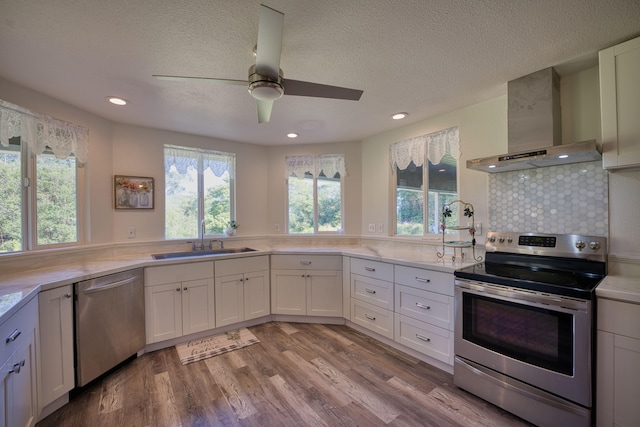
pixel 373 291
pixel 316 262
pixel 430 307
pixel 376 269
pixel 425 338
pixel 241 265
pixel 372 317
pixel 618 317
pixel 429 280
pixel 177 273
pixel 18 329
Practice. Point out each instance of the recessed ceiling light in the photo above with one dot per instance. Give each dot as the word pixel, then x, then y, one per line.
pixel 492 166
pixel 117 101
pixel 563 156
pixel 399 116
pixel 292 135
pixel 442 170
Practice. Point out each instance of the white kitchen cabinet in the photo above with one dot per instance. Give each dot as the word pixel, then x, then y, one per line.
pixel 55 354
pixel 306 285
pixel 18 390
pixel 619 105
pixel 618 358
pixel 372 295
pixel 179 300
pixel 241 289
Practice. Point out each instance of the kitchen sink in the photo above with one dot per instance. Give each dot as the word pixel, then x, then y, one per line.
pixel 171 255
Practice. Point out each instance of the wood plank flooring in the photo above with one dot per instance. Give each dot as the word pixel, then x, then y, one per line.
pixel 298 375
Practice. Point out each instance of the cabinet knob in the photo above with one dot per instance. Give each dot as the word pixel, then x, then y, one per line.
pixel 177 289
pixel 184 289
pixel 68 295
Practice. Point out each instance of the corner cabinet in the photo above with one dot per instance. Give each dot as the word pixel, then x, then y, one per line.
pixel 620 104
pixel 241 289
pixel 618 358
pixel 179 300
pixel 306 285
pixel 18 388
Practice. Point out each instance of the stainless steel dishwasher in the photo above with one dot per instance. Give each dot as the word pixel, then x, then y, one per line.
pixel 109 322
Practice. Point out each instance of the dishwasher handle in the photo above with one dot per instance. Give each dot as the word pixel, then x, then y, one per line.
pixel 108 285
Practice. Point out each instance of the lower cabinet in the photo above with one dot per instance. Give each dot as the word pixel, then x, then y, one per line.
pixel 179 300
pixel 241 289
pixel 618 358
pixel 372 295
pixel 18 388
pixel 306 285
pixel 55 354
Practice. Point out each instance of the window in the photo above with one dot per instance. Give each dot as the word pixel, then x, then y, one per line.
pixel 199 189
pixel 41 172
pixel 314 190
pixel 414 183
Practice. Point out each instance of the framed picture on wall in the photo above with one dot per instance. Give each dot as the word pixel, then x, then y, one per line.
pixel 133 192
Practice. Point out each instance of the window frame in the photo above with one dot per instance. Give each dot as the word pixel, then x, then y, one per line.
pixel 29 203
pixel 201 152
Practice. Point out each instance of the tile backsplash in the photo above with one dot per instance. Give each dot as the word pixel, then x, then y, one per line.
pixel 567 199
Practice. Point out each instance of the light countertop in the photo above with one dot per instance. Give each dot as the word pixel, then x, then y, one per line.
pixel 17 289
pixel 623 288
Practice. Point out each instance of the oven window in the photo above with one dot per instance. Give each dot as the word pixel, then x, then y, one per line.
pixel 533 335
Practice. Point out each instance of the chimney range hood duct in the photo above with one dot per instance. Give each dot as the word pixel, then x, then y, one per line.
pixel 535 128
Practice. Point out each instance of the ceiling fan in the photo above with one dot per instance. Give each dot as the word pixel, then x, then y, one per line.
pixel 266 82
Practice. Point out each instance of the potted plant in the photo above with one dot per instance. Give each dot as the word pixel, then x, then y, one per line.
pixel 231 228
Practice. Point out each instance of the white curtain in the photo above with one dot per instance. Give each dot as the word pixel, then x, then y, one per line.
pixel 38 132
pixel 431 147
pixel 219 162
pixel 330 164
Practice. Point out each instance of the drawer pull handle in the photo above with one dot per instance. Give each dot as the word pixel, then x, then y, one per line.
pixel 370 269
pixel 370 317
pixel 369 291
pixel 421 280
pixel 14 336
pixel 422 306
pixel 423 338
pixel 305 262
pixel 16 368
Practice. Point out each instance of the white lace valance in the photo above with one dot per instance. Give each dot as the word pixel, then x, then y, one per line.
pixel 40 132
pixel 434 145
pixel 330 164
pixel 219 162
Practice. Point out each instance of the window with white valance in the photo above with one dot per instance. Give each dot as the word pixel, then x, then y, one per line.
pixel 40 132
pixel 424 171
pixel 431 147
pixel 329 164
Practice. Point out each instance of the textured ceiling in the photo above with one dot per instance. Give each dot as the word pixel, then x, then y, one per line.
pixel 422 57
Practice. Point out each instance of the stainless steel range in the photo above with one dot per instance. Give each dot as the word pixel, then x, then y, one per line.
pixel 525 325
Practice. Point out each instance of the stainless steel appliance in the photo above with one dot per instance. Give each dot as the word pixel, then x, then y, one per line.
pixel 524 325
pixel 109 322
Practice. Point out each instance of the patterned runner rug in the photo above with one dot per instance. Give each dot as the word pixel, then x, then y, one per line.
pixel 203 348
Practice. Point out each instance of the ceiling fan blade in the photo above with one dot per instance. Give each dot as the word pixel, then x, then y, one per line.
pixel 211 79
pixel 264 110
pixel 269 44
pixel 300 88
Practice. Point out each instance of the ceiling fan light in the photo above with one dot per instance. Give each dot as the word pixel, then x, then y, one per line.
pixel 266 90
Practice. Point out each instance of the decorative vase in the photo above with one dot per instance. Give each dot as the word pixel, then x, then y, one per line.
pixel 230 231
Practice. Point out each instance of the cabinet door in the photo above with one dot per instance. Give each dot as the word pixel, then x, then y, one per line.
pixel 229 299
pixel 6 393
pixel 324 293
pixel 163 312
pixel 197 306
pixel 56 375
pixel 619 104
pixel 24 383
pixel 256 295
pixel 288 292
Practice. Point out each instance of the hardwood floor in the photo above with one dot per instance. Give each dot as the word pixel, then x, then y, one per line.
pixel 298 375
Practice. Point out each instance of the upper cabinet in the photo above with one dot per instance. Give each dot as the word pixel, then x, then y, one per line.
pixel 620 105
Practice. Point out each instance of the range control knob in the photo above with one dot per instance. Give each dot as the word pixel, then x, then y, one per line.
pixel 594 245
pixel 501 239
pixel 580 244
pixel 492 239
pixel 509 239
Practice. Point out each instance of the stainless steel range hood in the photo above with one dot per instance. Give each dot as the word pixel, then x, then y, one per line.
pixel 534 129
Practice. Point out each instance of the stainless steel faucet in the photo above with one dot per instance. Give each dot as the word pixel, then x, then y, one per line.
pixel 202 231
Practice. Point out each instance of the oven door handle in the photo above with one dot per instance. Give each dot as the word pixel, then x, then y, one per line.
pixel 522 295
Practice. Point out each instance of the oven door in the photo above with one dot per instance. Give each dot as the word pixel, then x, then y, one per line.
pixel 539 339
